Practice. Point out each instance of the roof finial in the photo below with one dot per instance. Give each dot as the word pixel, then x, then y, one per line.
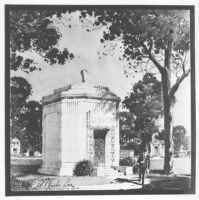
pixel 84 74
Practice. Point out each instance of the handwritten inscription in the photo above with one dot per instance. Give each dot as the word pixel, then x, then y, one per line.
pixel 54 184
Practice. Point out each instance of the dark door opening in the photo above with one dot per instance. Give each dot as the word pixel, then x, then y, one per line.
pixel 99 147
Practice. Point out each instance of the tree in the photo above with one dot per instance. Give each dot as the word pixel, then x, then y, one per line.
pixel 127 133
pixel 31 138
pixel 129 138
pixel 33 30
pixel 157 38
pixel 25 116
pixel 20 90
pixel 145 106
pixel 178 136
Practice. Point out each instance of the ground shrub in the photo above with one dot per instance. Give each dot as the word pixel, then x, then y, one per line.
pixel 84 168
pixel 128 161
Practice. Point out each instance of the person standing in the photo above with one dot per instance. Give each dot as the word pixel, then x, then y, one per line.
pixel 143 163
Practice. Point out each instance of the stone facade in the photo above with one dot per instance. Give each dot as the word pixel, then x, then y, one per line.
pixel 79 122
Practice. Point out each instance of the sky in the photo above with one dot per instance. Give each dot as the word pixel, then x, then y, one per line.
pixel 107 71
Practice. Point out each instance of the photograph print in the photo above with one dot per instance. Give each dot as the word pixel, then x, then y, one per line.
pixel 100 100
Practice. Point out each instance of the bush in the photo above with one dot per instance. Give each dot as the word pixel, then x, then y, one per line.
pixel 128 161
pixel 84 168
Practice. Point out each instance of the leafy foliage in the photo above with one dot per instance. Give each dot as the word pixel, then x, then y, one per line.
pixel 32 135
pixel 33 30
pixel 126 128
pixel 178 136
pixel 145 106
pixel 179 139
pixel 142 29
pixel 151 38
pixel 20 90
pixel 25 116
pixel 84 168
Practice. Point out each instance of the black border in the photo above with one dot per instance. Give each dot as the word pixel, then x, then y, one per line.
pixel 8 191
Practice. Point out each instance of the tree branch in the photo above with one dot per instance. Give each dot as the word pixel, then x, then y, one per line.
pixel 151 45
pixel 176 85
pixel 96 28
pixel 155 62
pixel 39 53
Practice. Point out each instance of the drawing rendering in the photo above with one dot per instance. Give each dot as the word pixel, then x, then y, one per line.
pixel 100 100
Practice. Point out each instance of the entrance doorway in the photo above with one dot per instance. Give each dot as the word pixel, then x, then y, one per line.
pixel 99 147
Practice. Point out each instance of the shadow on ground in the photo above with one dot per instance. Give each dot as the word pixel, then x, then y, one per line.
pixel 162 184
pixel 124 180
pixel 169 182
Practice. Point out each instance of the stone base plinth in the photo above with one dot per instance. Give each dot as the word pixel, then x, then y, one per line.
pixel 100 171
pixel 49 170
pixel 65 170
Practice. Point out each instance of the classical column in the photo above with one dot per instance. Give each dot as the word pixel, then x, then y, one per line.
pixel 112 145
pixel 90 144
pixel 90 138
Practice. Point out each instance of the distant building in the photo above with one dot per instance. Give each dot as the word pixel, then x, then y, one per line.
pixel 15 146
pixel 157 147
pixel 122 108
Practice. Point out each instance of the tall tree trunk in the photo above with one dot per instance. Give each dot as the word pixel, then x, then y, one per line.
pixel 167 121
pixel 166 86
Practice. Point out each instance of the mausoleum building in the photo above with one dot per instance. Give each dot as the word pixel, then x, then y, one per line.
pixel 80 122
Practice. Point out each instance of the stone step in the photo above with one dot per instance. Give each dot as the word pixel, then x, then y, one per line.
pixel 111 172
pixel 108 170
